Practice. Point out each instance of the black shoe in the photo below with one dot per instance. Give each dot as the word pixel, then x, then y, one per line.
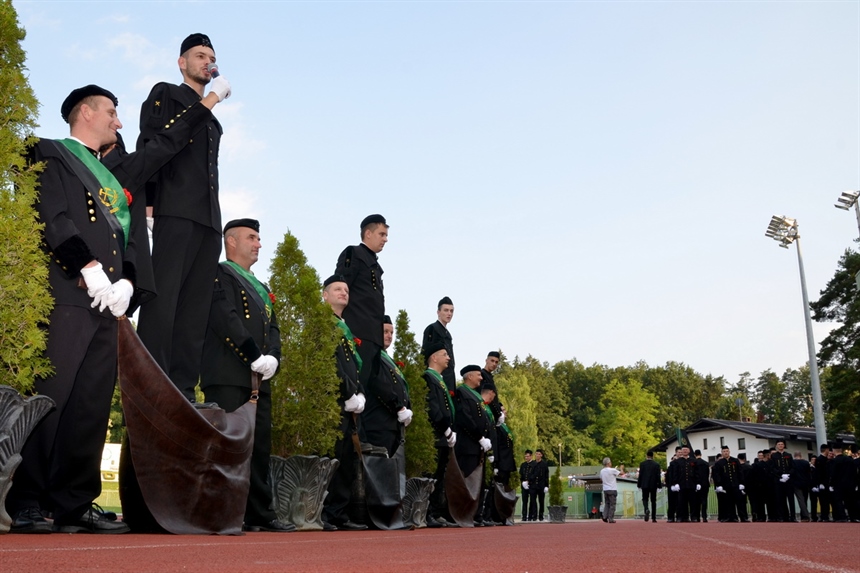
pixel 274 526
pixel 352 526
pixel 604 519
pixel 433 523
pixel 670 521
pixel 328 526
pixel 745 521
pixel 93 521
pixel 704 520
pixel 654 521
pixel 478 523
pixel 29 520
pixel 694 520
pixel 647 517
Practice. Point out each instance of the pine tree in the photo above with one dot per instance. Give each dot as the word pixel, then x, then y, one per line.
pixel 25 298
pixel 305 413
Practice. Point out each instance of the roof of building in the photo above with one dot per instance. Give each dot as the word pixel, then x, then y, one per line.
pixel 764 431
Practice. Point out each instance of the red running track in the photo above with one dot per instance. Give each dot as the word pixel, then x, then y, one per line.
pixel 626 546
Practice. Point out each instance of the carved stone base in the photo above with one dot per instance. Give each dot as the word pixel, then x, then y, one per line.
pixel 417 500
pixel 18 417
pixel 557 513
pixel 299 485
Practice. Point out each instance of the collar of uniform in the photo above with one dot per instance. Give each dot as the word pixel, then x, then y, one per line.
pixel 90 149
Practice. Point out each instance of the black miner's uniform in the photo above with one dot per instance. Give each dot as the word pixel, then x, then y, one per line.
pixel 441 415
pixel 783 492
pixel 731 505
pixel 186 238
pixel 240 331
pixel 366 310
pixel 437 331
pixel 684 473
pixel 386 395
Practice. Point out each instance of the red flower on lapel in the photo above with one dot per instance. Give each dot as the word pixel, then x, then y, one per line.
pixel 128 196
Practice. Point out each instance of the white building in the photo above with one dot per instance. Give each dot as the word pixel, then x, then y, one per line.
pixel 709 436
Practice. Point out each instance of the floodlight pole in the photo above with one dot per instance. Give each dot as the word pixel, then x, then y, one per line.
pixel 817 409
pixel 850 199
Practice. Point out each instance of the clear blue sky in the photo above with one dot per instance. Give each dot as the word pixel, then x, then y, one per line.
pixel 586 180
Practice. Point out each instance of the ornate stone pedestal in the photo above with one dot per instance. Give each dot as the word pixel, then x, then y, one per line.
pixel 299 485
pixel 417 500
pixel 18 417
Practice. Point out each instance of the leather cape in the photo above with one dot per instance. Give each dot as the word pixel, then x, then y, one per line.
pixel 463 493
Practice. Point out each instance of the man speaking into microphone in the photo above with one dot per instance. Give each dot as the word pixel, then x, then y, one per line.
pixel 187 220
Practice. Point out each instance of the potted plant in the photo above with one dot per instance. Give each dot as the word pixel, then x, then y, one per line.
pixel 557 508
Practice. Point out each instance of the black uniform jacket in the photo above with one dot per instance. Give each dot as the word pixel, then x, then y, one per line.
pixel 438 410
pixel 727 473
pixel 801 475
pixel 386 395
pixel 540 476
pixel 364 315
pixel 649 475
pixel 239 332
pixel 471 422
pixel 780 463
pixel 843 474
pixel 526 469
pixel 437 331
pixel 187 186
pixel 683 472
pixel 703 473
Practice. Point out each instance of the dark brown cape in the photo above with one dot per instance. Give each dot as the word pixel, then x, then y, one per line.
pixel 463 493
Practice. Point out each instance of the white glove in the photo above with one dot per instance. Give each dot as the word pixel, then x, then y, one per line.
pixel 99 286
pixel 150 223
pixel 496 471
pixel 354 403
pixel 486 444
pixel 831 488
pixel 698 487
pixel 265 365
pixel 121 297
pixel 676 487
pixel 220 87
pixel 451 437
pixel 546 490
pixel 821 487
pixel 404 416
pixel 719 489
pixel 784 478
pixel 742 487
pixel 501 419
pixel 815 489
pixel 525 485
pixel 491 459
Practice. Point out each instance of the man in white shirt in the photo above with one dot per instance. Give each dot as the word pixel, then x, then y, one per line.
pixel 610 490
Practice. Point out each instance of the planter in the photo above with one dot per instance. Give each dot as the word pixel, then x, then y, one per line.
pixel 299 487
pixel 557 513
pixel 18 417
pixel 417 500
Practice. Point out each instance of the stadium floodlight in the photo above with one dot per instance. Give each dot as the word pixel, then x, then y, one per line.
pixel 847 200
pixel 784 230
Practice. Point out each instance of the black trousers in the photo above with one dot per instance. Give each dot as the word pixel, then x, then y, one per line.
pixel 688 504
pixel 528 502
pixel 258 510
pixel 650 495
pixel 672 504
pixel 60 469
pixel 438 503
pixel 173 324
pixel 370 360
pixel 336 505
pixel 537 508
pixel 703 503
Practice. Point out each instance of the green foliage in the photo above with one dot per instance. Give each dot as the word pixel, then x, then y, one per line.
pixel 840 350
pixel 305 413
pixel 25 298
pixel 624 424
pixel 556 488
pixel 516 394
pixel 420 448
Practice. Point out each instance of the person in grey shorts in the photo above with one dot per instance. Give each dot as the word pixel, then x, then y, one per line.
pixel 610 490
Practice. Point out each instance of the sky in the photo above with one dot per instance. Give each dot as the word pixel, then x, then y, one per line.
pixel 588 180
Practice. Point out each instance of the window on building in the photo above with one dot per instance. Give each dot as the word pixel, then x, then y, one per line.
pixel 705 444
pixel 742 443
pixel 722 441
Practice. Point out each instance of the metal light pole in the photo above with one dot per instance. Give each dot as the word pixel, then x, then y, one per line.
pixel 848 200
pixel 784 230
pixel 559 456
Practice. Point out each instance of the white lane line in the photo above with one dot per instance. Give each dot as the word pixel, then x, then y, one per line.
pixel 778 556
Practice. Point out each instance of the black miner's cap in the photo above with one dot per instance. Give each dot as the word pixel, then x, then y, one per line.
pixel 470 368
pixel 250 223
pixel 377 218
pixel 334 279
pixel 386 319
pixel 193 40
pixel 432 348
pixel 79 94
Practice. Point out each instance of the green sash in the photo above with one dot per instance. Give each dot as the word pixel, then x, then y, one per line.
pixel 481 401
pixel 439 379
pixel 111 194
pixel 254 282
pixel 350 339
pixel 392 364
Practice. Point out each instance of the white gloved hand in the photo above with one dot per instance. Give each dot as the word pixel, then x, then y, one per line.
pixel 99 286
pixel 352 404
pixel 265 365
pixel 719 489
pixel 831 488
pixel 815 489
pixel 361 402
pixel 450 437
pixel 220 87
pixel 546 490
pixel 120 297
pixel 698 487
pixel 501 419
pixel 491 459
pixel 784 478
pixel 404 416
pixel 486 444
pixel 675 488
pixel 742 487
pixel 525 485
pixel 496 471
pixel 150 223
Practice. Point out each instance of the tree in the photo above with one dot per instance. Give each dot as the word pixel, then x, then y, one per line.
pixel 623 426
pixel 25 297
pixel 305 412
pixel 516 394
pixel 840 350
pixel 420 441
pixel 770 398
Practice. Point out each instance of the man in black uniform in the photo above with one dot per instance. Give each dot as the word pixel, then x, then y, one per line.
pixel 842 483
pixel 731 503
pixel 438 332
pixel 757 483
pixel 703 480
pixel 440 411
pixel 187 228
pixel 387 412
pixel 802 480
pixel 351 400
pixel 671 493
pixel 781 468
pixel 822 478
pixel 243 337
pixel 648 481
pixel 92 273
pixel 539 484
pixel 685 481
pixel 359 265
pixel 472 423
pixel 526 469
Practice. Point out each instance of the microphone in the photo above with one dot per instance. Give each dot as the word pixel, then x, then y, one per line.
pixel 213 70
